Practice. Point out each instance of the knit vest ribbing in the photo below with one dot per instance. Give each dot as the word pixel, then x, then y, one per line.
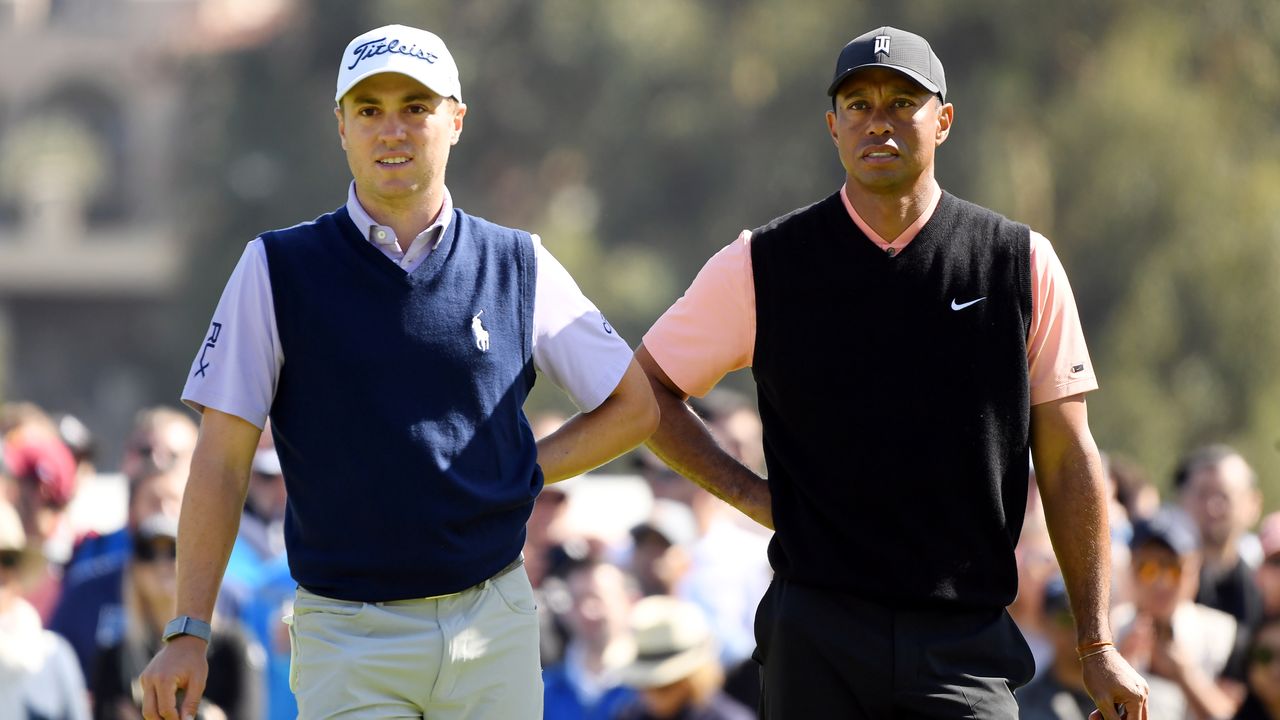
pixel 411 469
pixel 896 409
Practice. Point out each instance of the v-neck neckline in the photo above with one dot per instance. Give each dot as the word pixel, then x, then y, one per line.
pixel 848 230
pixel 426 270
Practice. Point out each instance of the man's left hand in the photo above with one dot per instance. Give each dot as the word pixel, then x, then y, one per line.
pixel 1114 684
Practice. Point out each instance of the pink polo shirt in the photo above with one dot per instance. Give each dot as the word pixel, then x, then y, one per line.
pixel 711 330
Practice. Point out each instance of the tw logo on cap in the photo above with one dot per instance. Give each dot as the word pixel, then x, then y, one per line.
pixel 882 45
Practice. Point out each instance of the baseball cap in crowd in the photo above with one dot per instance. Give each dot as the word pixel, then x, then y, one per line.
pixel 45 461
pixel 1169 527
pixel 267 462
pixel 671 520
pixel 672 640
pixel 895 49
pixel 1269 535
pixel 399 49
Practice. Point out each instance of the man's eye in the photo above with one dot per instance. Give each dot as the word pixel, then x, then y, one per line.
pixel 367 112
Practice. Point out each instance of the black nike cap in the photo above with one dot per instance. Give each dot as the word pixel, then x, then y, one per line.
pixel 895 49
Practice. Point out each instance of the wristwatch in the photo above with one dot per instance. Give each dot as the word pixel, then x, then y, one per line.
pixel 187 625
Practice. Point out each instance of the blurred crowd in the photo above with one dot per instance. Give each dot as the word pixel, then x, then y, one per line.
pixel 653 621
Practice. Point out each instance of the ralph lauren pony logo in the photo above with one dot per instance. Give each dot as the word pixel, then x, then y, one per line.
pixel 377 47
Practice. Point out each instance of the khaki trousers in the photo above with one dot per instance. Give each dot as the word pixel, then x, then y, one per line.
pixel 469 656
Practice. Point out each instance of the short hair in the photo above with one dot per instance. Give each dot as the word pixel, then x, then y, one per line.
pixel 1208 456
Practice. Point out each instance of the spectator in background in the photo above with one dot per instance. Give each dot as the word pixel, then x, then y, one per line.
pixel 676 670
pixel 162 439
pixel 150 583
pixel 44 482
pixel 1165 633
pixel 1268 575
pixel 259 545
pixel 1133 488
pixel 585 684
pixel 19 417
pixel 1219 491
pixel 1263 701
pixel 39 677
pixel 90 613
pixel 660 547
pixel 257 581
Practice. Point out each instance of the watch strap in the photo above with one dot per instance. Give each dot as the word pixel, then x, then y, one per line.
pixel 187 625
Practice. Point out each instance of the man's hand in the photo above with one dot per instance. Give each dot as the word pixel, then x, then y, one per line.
pixel 1113 684
pixel 180 665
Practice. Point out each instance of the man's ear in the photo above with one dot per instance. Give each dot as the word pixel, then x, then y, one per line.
pixel 342 126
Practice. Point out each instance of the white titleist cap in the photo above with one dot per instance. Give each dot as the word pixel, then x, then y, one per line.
pixel 399 49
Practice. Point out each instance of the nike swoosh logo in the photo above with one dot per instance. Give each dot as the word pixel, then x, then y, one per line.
pixel 961 306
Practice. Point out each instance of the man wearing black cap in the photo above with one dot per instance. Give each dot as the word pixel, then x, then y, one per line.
pixel 936 342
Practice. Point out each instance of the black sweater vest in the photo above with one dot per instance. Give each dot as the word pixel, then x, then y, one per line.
pixel 896 406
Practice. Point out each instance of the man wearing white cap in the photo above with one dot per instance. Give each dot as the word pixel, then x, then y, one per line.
pixel 392 342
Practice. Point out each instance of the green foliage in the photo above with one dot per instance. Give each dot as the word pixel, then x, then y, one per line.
pixel 639 137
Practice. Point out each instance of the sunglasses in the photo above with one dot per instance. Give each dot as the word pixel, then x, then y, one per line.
pixel 1264 655
pixel 10 559
pixel 1151 571
pixel 155 549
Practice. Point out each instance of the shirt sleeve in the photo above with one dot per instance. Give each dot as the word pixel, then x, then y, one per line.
pixel 1057 358
pixel 239 360
pixel 573 344
pixel 711 330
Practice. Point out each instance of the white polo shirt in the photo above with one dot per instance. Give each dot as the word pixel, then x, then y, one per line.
pixel 238 364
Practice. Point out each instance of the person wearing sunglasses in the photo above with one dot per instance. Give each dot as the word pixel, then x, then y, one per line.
pixel 1164 633
pixel 1263 702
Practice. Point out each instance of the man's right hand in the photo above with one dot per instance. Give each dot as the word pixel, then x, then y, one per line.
pixel 180 665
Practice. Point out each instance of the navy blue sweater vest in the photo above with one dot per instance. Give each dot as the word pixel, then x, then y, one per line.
pixel 895 401
pixel 411 469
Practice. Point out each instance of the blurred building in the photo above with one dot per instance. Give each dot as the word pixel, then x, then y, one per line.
pixel 93 247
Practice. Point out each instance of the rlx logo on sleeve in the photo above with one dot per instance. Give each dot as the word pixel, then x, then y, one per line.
pixel 209 344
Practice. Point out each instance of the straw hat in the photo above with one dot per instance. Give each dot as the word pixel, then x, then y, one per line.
pixel 672 640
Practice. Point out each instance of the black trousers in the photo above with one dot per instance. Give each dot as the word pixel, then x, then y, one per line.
pixel 825 654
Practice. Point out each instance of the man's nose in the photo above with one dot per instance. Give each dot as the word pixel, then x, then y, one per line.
pixel 392 129
pixel 879 124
